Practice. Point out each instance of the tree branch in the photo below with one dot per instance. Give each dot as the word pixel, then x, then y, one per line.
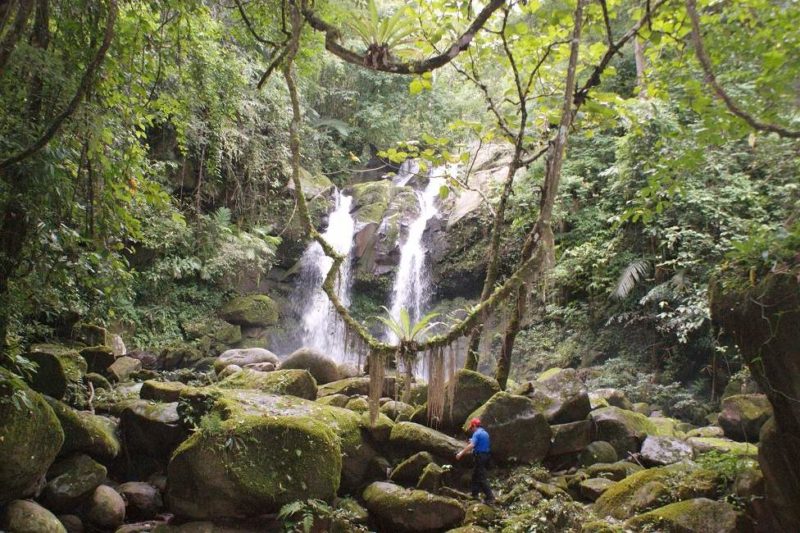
pixel 251 28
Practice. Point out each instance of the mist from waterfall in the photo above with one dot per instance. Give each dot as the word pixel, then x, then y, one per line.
pixel 322 328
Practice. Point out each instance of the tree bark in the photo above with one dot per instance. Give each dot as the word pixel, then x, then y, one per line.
pixel 641 66
pixel 13 36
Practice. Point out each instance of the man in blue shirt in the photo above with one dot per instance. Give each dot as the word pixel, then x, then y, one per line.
pixel 479 446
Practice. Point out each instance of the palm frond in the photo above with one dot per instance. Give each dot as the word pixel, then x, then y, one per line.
pixel 633 274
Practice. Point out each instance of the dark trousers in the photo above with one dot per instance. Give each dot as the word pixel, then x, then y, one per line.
pixel 479 481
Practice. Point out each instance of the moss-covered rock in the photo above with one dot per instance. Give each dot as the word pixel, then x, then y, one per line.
pixel 598 451
pixel 467 391
pixel 106 508
pixel 371 199
pixel 255 310
pixel 30 438
pixel 143 501
pixel 707 431
pixel 86 432
pixel 57 369
pixel 334 400
pixel 380 430
pixel 409 437
pixel 411 510
pixel 518 430
pixel 151 428
pixel 709 444
pixel 98 358
pixel 23 516
pixel 570 438
pixel 660 451
pixel 395 409
pixel 214 335
pixel 323 368
pixel 700 515
pixel 71 482
pixel 593 488
pixel 243 357
pixel 123 368
pixel 179 356
pixel 559 394
pixel 161 391
pixel 741 416
pixel 614 471
pixel 358 404
pixel 407 473
pixel 432 478
pixel 294 382
pixel 614 398
pixel 623 429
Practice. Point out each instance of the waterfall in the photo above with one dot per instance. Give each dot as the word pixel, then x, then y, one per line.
pixel 411 285
pixel 322 327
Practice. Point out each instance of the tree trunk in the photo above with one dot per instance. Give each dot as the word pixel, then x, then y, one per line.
pixel 641 66
pixel 13 231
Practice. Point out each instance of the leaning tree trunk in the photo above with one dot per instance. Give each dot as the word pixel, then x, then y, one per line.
pixel 763 321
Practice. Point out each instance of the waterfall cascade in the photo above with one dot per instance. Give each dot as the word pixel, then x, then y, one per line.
pixel 322 327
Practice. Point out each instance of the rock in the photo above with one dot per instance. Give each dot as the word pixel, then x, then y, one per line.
pixel 407 473
pixel 357 386
pixel 623 429
pixel 255 310
pixel 665 426
pixel 411 510
pixel 23 516
pixel 57 368
pixel 151 428
pixel 660 451
pixel 71 481
pixel 30 438
pixel 467 390
pixel 97 381
pixel 179 356
pixel 411 437
pixel 598 452
pixel 293 382
pixel 123 367
pixel 708 444
pixel 370 200
pixel 593 488
pixel 518 431
pixel 318 364
pixel 150 360
pixel 741 416
pixel 614 398
pixel 161 391
pixel 431 478
pixel 480 513
pixel 98 358
pixel 381 430
pixel 570 438
pixel 212 334
pixel 613 471
pixel 359 405
pixel 244 357
pixel 87 433
pixel 334 400
pixel 642 408
pixel 691 516
pixel 707 431
pixel 106 509
pixel 229 371
pixel 91 334
pixel 261 367
pixel 71 522
pixel 143 500
pixel 395 409
pixel 559 394
pixel 284 449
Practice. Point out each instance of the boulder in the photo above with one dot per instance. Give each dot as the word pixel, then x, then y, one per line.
pixel 411 510
pixel 23 516
pixel 614 398
pixel 593 488
pixel 212 334
pixel 229 371
pixel 359 405
pixel 699 515
pixel 57 368
pixel 72 481
pixel 123 368
pixel 151 428
pixel 255 310
pixel 150 360
pixel 623 429
pixel 317 363
pixel 431 478
pixel 407 473
pixel 262 452
pixel 86 432
pixel 106 508
pixel 741 416
pixel 245 356
pixel 642 408
pixel 71 522
pixel 334 400
pixel 97 381
pixel 570 438
pixel 709 444
pixel 98 358
pixel 395 409
pixel 661 451
pixel 293 382
pixel 707 431
pixel 30 438
pixel 179 356
pixel 614 471
pixel 143 500
pixel 466 391
pixel 410 437
pixel 598 451
pixel 518 431
pixel 261 367
pixel 357 386
pixel 560 395
pixel 380 430
pixel 161 391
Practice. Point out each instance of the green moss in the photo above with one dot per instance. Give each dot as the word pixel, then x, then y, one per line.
pixel 256 310
pixel 635 493
pixel 58 369
pixel 371 200
pixel 691 515
pixel 706 444
pixel 86 432
pixel 298 383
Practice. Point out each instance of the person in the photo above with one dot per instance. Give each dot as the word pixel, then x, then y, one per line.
pixel 479 446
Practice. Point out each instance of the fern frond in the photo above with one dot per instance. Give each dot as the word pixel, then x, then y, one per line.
pixel 633 274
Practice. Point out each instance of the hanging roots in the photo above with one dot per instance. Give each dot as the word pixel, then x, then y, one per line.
pixel 377 370
pixel 436 385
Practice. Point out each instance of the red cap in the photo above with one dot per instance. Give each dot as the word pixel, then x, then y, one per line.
pixel 475 422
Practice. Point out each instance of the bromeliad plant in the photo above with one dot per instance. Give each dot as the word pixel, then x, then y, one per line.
pixel 403 329
pixel 381 36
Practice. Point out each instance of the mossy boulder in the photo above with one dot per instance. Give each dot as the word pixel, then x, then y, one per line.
pixel 396 508
pixel 123 368
pixel 293 382
pixel 30 438
pixel 467 390
pixel 699 515
pixel 358 404
pixel 559 394
pixel 86 432
pixel 371 200
pixel 396 409
pixel 313 184
pixel 741 416
pixel 593 488
pixel 661 451
pixel 614 471
pixel 356 386
pixel 432 478
pixel 98 358
pixel 57 369
pixel 255 310
pixel 598 451
pixel 380 430
pixel 243 357
pixel 143 501
pixel 570 438
pixel 707 431
pixel 623 429
pixel 284 449
pixel 71 482
pixel 214 335
pixel 407 473
pixel 614 398
pixel 334 400
pixel 179 356
pixel 151 428
pixel 106 508
pixel 23 516
pixel 709 444
pixel 162 391
pixel 517 429
pixel 409 437
pixel 323 368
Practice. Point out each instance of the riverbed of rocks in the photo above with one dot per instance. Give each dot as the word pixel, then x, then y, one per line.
pixel 247 441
